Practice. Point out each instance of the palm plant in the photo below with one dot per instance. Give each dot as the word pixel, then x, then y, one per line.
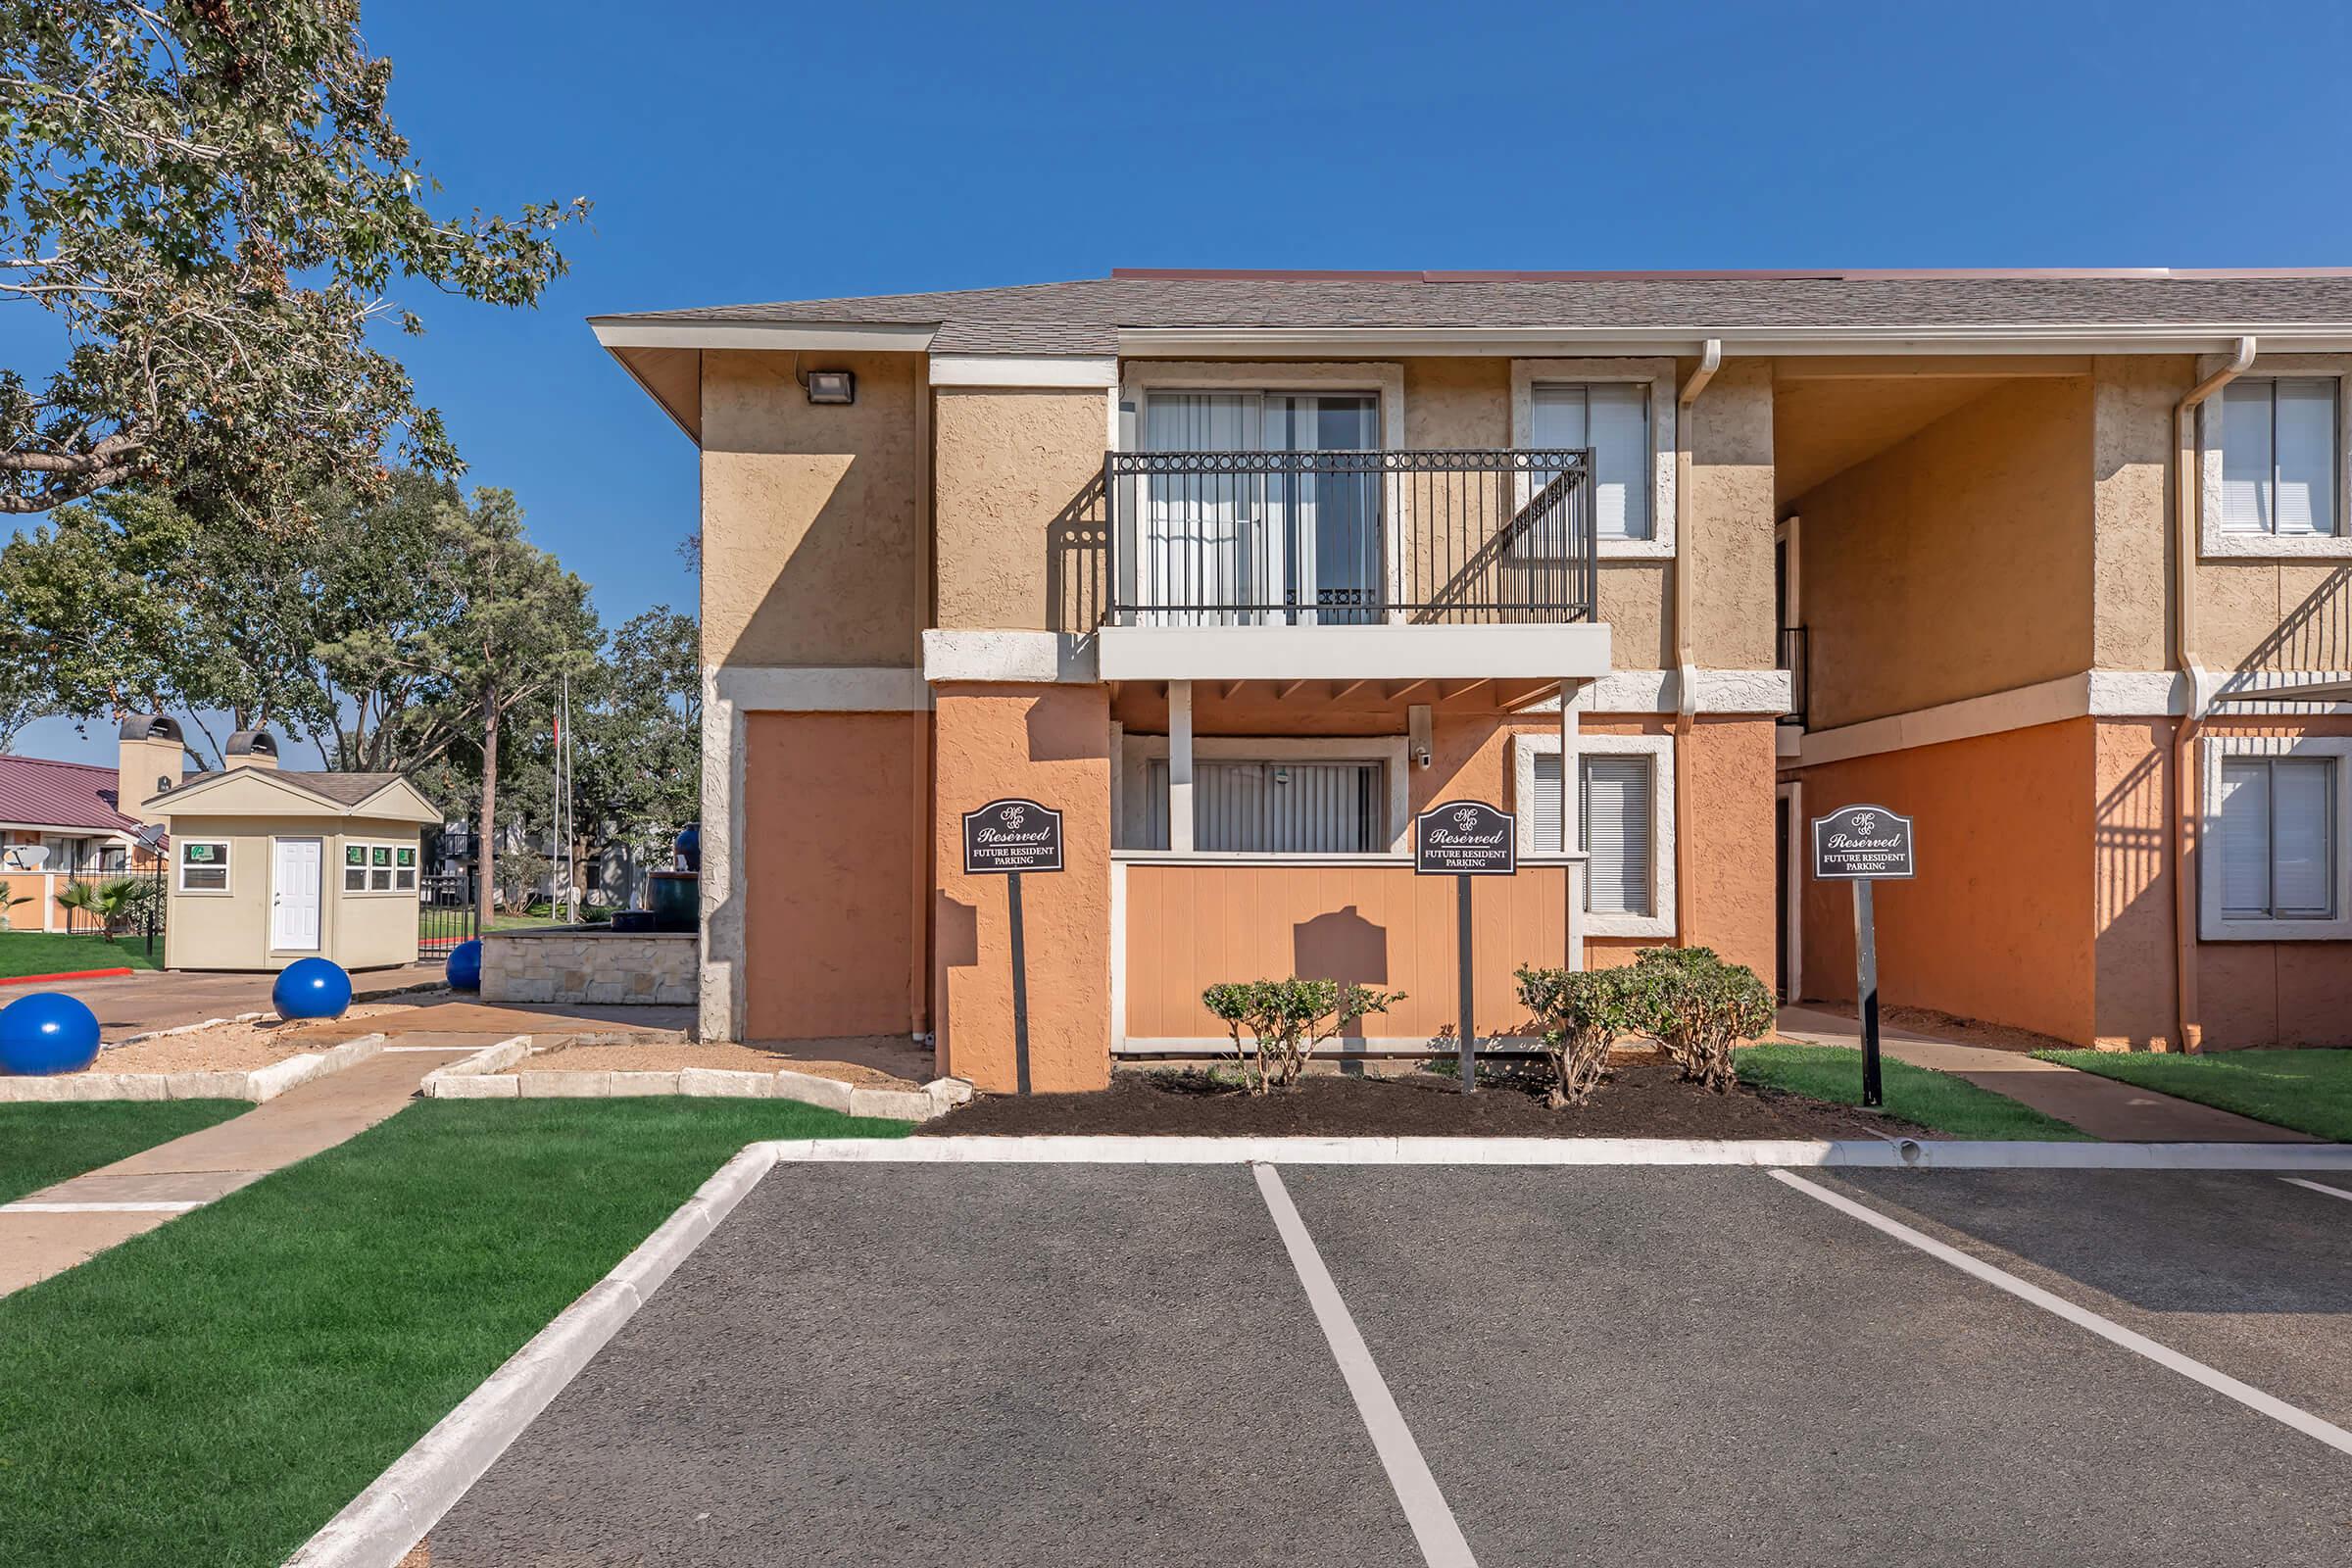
pixel 110 903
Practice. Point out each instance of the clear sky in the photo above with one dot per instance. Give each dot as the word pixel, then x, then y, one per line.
pixel 756 150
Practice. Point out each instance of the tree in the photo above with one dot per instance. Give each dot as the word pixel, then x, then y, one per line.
pixel 210 199
pixel 20 701
pixel 637 733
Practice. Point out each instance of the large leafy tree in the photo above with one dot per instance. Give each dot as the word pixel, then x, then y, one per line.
pixel 210 200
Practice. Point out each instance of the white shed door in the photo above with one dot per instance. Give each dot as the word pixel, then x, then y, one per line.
pixel 294 896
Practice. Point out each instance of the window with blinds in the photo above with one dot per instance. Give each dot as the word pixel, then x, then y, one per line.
pixel 1612 417
pixel 2277 841
pixel 1615 827
pixel 2278 456
pixel 1276 806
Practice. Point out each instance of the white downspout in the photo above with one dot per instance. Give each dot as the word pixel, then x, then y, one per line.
pixel 2187 545
pixel 1685 670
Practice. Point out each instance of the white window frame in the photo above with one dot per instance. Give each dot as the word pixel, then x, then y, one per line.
pixel 229 871
pixel 1658 376
pixel 2213 923
pixel 1526 745
pixel 2212 540
pixel 1136 750
pixel 391 847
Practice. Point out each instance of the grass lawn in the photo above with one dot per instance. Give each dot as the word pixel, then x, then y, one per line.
pixel 2310 1091
pixel 44 1144
pixel 24 952
pixel 1933 1100
pixel 214 1391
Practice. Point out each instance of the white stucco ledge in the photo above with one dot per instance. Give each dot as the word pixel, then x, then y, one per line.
pixel 484 1076
pixel 259 1085
pixel 1353 653
pixel 1039 658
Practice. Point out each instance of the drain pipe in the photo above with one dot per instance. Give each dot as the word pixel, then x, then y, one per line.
pixel 1685 671
pixel 2187 518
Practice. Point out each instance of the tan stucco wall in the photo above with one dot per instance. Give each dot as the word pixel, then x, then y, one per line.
pixel 1019 514
pixel 2132 466
pixel 1049 744
pixel 810 515
pixel 1957 563
pixel 231 930
pixel 1733 616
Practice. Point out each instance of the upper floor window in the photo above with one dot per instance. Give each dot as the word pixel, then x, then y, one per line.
pixel 2279 462
pixel 2276 839
pixel 1612 417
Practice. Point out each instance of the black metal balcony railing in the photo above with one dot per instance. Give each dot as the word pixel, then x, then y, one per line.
pixel 1795 659
pixel 1349 538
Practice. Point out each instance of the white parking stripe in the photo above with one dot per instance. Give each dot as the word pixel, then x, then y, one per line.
pixel 2320 1186
pixel 1425 1507
pixel 2246 1393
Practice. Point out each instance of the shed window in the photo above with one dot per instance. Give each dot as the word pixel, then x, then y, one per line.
pixel 204 865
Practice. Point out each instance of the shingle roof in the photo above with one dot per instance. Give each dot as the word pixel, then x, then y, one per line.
pixel 343 789
pixel 1084 316
pixel 36 792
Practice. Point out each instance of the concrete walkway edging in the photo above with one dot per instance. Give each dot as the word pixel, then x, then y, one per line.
pixel 378 1528
pixel 257 1085
pixel 1897 1153
pixel 483 1076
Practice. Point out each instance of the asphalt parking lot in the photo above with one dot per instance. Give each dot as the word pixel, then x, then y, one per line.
pixel 1135 1365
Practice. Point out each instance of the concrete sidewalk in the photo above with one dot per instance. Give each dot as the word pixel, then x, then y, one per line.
pixel 2103 1107
pixel 159 1184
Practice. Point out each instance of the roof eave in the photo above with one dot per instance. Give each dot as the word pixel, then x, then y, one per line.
pixel 1161 342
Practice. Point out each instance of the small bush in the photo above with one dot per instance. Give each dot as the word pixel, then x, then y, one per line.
pixel 1286 1021
pixel 1696 1006
pixel 1582 1012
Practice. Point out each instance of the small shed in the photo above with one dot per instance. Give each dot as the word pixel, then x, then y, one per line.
pixel 268 866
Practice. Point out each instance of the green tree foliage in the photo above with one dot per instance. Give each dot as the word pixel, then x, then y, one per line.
pixel 209 200
pixel 637 733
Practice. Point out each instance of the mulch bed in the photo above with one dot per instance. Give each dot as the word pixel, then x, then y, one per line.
pixel 1641 1099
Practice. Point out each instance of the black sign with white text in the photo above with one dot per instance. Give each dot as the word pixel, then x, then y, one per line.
pixel 1007 835
pixel 1862 843
pixel 1465 838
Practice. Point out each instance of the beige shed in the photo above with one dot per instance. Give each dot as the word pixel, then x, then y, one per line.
pixel 269 866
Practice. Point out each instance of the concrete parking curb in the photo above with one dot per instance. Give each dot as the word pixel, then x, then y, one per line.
pixel 384 1522
pixel 483 1076
pixel 1874 1154
pixel 259 1085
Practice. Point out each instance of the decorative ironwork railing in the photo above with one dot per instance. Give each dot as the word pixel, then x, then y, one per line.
pixel 1349 538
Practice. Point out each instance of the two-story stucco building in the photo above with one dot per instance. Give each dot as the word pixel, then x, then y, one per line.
pixel 1241 571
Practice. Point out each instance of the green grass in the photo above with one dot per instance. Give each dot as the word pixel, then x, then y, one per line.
pixel 24 952
pixel 44 1144
pixel 1933 1100
pixel 214 1391
pixel 2308 1090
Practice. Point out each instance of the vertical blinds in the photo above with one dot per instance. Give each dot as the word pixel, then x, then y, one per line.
pixel 2276 847
pixel 1614 818
pixel 2278 458
pixel 1275 807
pixel 1612 417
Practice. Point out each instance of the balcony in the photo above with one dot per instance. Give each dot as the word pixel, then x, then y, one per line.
pixel 1366 564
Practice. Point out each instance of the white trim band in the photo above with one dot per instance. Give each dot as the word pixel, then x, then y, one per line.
pixel 816 689
pixel 1043 657
pixel 1091 373
pixel 877 337
pixel 1573 652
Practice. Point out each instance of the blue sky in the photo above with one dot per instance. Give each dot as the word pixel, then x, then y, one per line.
pixel 759 151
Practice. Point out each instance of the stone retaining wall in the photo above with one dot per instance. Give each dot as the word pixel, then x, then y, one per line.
pixel 600 966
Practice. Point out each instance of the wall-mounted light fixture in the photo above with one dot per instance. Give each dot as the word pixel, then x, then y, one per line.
pixel 832 386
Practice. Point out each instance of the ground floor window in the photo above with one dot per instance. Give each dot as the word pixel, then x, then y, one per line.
pixel 1616 827
pixel 2277 841
pixel 1273 805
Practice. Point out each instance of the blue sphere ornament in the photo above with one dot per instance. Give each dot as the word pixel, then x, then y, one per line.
pixel 466 966
pixel 311 988
pixel 47 1032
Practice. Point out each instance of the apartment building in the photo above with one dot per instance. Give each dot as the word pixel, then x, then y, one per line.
pixel 1240 571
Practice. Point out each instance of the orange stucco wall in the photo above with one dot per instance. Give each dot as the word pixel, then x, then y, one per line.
pixel 830 926
pixel 1997 924
pixel 1049 744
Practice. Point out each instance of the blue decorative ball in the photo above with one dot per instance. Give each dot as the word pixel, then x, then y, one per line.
pixel 47 1032
pixel 466 966
pixel 311 988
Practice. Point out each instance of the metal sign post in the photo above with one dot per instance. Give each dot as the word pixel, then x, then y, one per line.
pixel 1862 844
pixel 1465 838
pixel 1006 838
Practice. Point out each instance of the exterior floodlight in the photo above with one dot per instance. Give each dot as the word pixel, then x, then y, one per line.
pixel 832 386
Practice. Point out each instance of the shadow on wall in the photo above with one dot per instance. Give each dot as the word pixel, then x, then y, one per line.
pixel 958 933
pixel 2133 884
pixel 1341 946
pixel 1078 562
pixel 2317 634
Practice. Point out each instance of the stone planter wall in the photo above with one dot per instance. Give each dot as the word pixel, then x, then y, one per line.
pixel 560 964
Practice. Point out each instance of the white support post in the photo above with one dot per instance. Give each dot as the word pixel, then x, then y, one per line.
pixel 1571 821
pixel 1180 766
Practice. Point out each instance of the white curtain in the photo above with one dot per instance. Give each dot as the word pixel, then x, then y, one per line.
pixel 1198 528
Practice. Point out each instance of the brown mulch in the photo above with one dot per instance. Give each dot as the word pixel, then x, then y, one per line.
pixel 1639 1100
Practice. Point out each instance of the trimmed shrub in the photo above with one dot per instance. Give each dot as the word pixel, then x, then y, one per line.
pixel 1582 1014
pixel 1286 1021
pixel 1696 1006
